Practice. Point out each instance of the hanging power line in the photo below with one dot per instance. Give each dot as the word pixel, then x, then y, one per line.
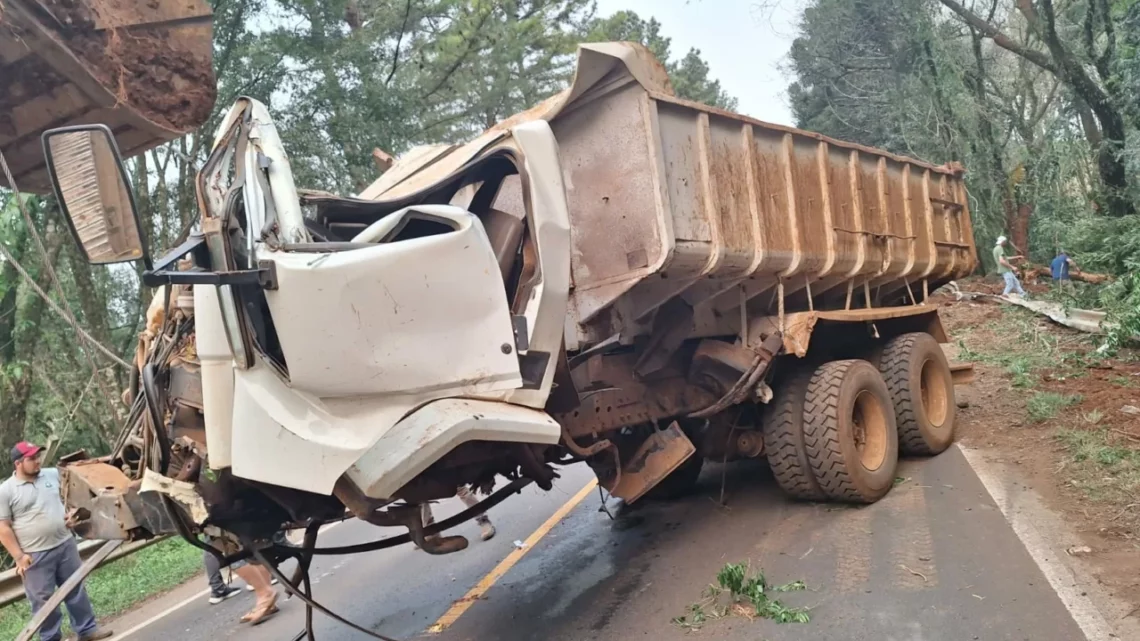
pixel 63 313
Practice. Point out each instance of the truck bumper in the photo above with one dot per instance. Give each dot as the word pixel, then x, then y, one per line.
pixel 429 433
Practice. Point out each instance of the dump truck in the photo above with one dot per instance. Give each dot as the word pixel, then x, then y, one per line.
pixel 616 276
pixel 142 68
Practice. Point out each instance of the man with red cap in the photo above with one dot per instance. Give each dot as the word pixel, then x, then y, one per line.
pixel 35 531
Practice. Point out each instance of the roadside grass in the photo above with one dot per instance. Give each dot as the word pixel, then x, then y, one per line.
pixel 1101 467
pixel 1043 406
pixel 1125 381
pixel 117 587
pixel 1093 416
pixel 1095 460
pixel 1030 350
pixel 1023 357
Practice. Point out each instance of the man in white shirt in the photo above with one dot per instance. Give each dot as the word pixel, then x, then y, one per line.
pixel 35 531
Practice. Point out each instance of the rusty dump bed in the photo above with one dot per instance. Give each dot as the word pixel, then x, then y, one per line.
pixel 675 201
pixel 142 67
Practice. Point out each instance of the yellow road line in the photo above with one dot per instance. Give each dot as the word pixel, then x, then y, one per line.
pixel 474 594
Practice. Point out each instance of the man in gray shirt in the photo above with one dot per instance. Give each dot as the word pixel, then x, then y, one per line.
pixel 34 530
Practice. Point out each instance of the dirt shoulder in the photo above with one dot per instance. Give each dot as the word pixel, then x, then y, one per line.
pixel 1045 403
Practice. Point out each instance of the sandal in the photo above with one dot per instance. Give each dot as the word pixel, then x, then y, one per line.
pixel 261 612
pixel 265 617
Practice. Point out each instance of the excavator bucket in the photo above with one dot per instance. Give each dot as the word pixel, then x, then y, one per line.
pixel 144 68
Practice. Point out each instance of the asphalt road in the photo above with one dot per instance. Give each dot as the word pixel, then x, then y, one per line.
pixel 934 561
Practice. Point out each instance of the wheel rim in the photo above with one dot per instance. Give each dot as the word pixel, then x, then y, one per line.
pixel 869 420
pixel 935 403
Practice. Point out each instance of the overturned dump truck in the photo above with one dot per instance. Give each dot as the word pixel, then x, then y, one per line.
pixel 142 67
pixel 616 277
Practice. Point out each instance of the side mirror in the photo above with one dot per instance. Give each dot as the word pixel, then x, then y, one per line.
pixel 94 193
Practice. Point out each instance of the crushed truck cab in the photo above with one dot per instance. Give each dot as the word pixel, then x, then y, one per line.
pixel 615 276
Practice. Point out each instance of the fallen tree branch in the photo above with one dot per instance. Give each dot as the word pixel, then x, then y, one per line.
pixel 1126 435
pixel 1084 277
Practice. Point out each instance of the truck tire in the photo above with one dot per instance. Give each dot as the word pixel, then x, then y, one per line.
pixel 849 431
pixel 784 439
pixel 922 390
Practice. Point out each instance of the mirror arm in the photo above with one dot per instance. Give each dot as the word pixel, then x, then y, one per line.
pixel 192 243
pixel 265 276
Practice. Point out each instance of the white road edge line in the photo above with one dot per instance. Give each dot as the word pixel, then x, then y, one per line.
pixel 1064 583
pixel 161 615
pixel 181 604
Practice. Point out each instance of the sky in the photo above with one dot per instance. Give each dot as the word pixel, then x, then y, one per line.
pixel 744 43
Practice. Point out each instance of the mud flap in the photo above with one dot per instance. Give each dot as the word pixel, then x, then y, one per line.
pixel 656 459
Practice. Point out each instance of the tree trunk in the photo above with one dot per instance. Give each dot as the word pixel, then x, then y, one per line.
pixel 1075 74
pixel 14 409
pixel 1089 125
pixel 1019 226
pixel 1071 71
pixel 8 302
pixel 1009 209
pixel 1084 277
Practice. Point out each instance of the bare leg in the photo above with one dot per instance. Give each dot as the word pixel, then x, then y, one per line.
pixel 261 580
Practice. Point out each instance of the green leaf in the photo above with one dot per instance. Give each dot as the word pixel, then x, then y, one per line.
pixel 794 586
pixel 731 577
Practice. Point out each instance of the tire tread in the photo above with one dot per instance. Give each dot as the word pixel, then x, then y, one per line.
pixel 784 440
pixel 895 367
pixel 821 432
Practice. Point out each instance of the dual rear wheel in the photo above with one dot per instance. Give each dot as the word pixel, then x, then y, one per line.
pixel 835 432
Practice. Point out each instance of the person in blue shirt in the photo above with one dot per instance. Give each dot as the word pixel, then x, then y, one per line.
pixel 1060 267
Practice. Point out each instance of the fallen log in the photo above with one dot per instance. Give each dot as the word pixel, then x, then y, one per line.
pixel 1085 277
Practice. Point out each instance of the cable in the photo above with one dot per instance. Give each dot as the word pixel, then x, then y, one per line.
pixel 301 576
pixel 7 255
pixel 153 398
pixel 66 315
pixel 314 605
pixel 466 515
pixel 305 554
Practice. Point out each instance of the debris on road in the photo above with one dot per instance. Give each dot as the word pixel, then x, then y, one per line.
pixel 1130 409
pixel 1078 550
pixel 520 545
pixel 916 573
pixel 1084 320
pixel 738 594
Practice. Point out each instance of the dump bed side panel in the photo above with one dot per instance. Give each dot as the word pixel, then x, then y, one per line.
pixel 742 209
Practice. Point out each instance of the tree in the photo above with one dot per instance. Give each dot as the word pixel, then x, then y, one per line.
pixel 522 55
pixel 908 77
pixel 689 75
pixel 627 26
pixel 1082 55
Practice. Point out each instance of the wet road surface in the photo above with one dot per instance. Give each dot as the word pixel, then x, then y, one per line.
pixel 934 561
